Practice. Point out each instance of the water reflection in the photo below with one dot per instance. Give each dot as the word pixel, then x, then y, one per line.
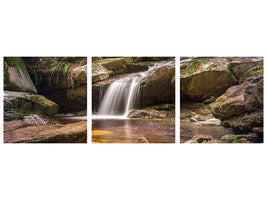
pixel 128 131
pixel 189 129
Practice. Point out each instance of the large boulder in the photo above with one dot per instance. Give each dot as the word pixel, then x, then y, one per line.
pixel 99 72
pixel 239 99
pixel 241 107
pixel 29 102
pixel 61 79
pixel 22 133
pixel 159 87
pixel 107 67
pixel 16 77
pixel 202 78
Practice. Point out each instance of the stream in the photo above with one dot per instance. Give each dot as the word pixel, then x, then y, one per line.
pixel 189 129
pixel 129 130
pixel 63 119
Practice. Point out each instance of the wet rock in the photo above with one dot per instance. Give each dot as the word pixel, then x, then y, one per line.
pixel 200 138
pixel 159 87
pixel 70 133
pixel 141 140
pixel 209 100
pixel 16 76
pixel 121 65
pixel 29 102
pixel 193 119
pixel 244 123
pixel 210 122
pixel 151 114
pixel 202 78
pixel 242 138
pixel 198 111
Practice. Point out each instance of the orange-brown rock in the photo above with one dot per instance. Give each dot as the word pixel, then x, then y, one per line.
pixel 69 133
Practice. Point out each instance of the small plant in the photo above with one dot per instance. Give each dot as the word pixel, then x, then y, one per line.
pixel 53 66
pixel 65 69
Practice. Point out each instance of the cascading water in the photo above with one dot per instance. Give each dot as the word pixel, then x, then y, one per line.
pixel 123 95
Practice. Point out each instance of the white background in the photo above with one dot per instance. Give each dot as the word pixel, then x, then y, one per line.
pixel 132 28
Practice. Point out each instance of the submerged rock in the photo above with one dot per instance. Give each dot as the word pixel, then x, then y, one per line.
pixel 151 114
pixel 141 140
pixel 193 119
pixel 243 138
pixel 210 122
pixel 16 77
pixel 200 138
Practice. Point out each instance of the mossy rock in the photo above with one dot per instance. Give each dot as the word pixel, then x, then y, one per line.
pixel 242 138
pixel 16 77
pixel 121 65
pixel 202 78
pixel 241 65
pixel 252 72
pixel 29 102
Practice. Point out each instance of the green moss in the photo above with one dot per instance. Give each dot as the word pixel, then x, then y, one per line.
pixel 215 102
pixel 19 117
pixel 146 85
pixel 6 76
pixel 173 79
pixel 252 72
pixel 17 63
pixel 192 68
pixel 41 100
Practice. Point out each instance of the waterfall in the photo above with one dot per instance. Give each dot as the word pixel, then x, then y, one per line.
pixel 123 95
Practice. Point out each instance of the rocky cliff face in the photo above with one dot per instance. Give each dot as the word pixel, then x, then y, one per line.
pixel 157 88
pixel 235 84
pixel 61 79
pixel 16 76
